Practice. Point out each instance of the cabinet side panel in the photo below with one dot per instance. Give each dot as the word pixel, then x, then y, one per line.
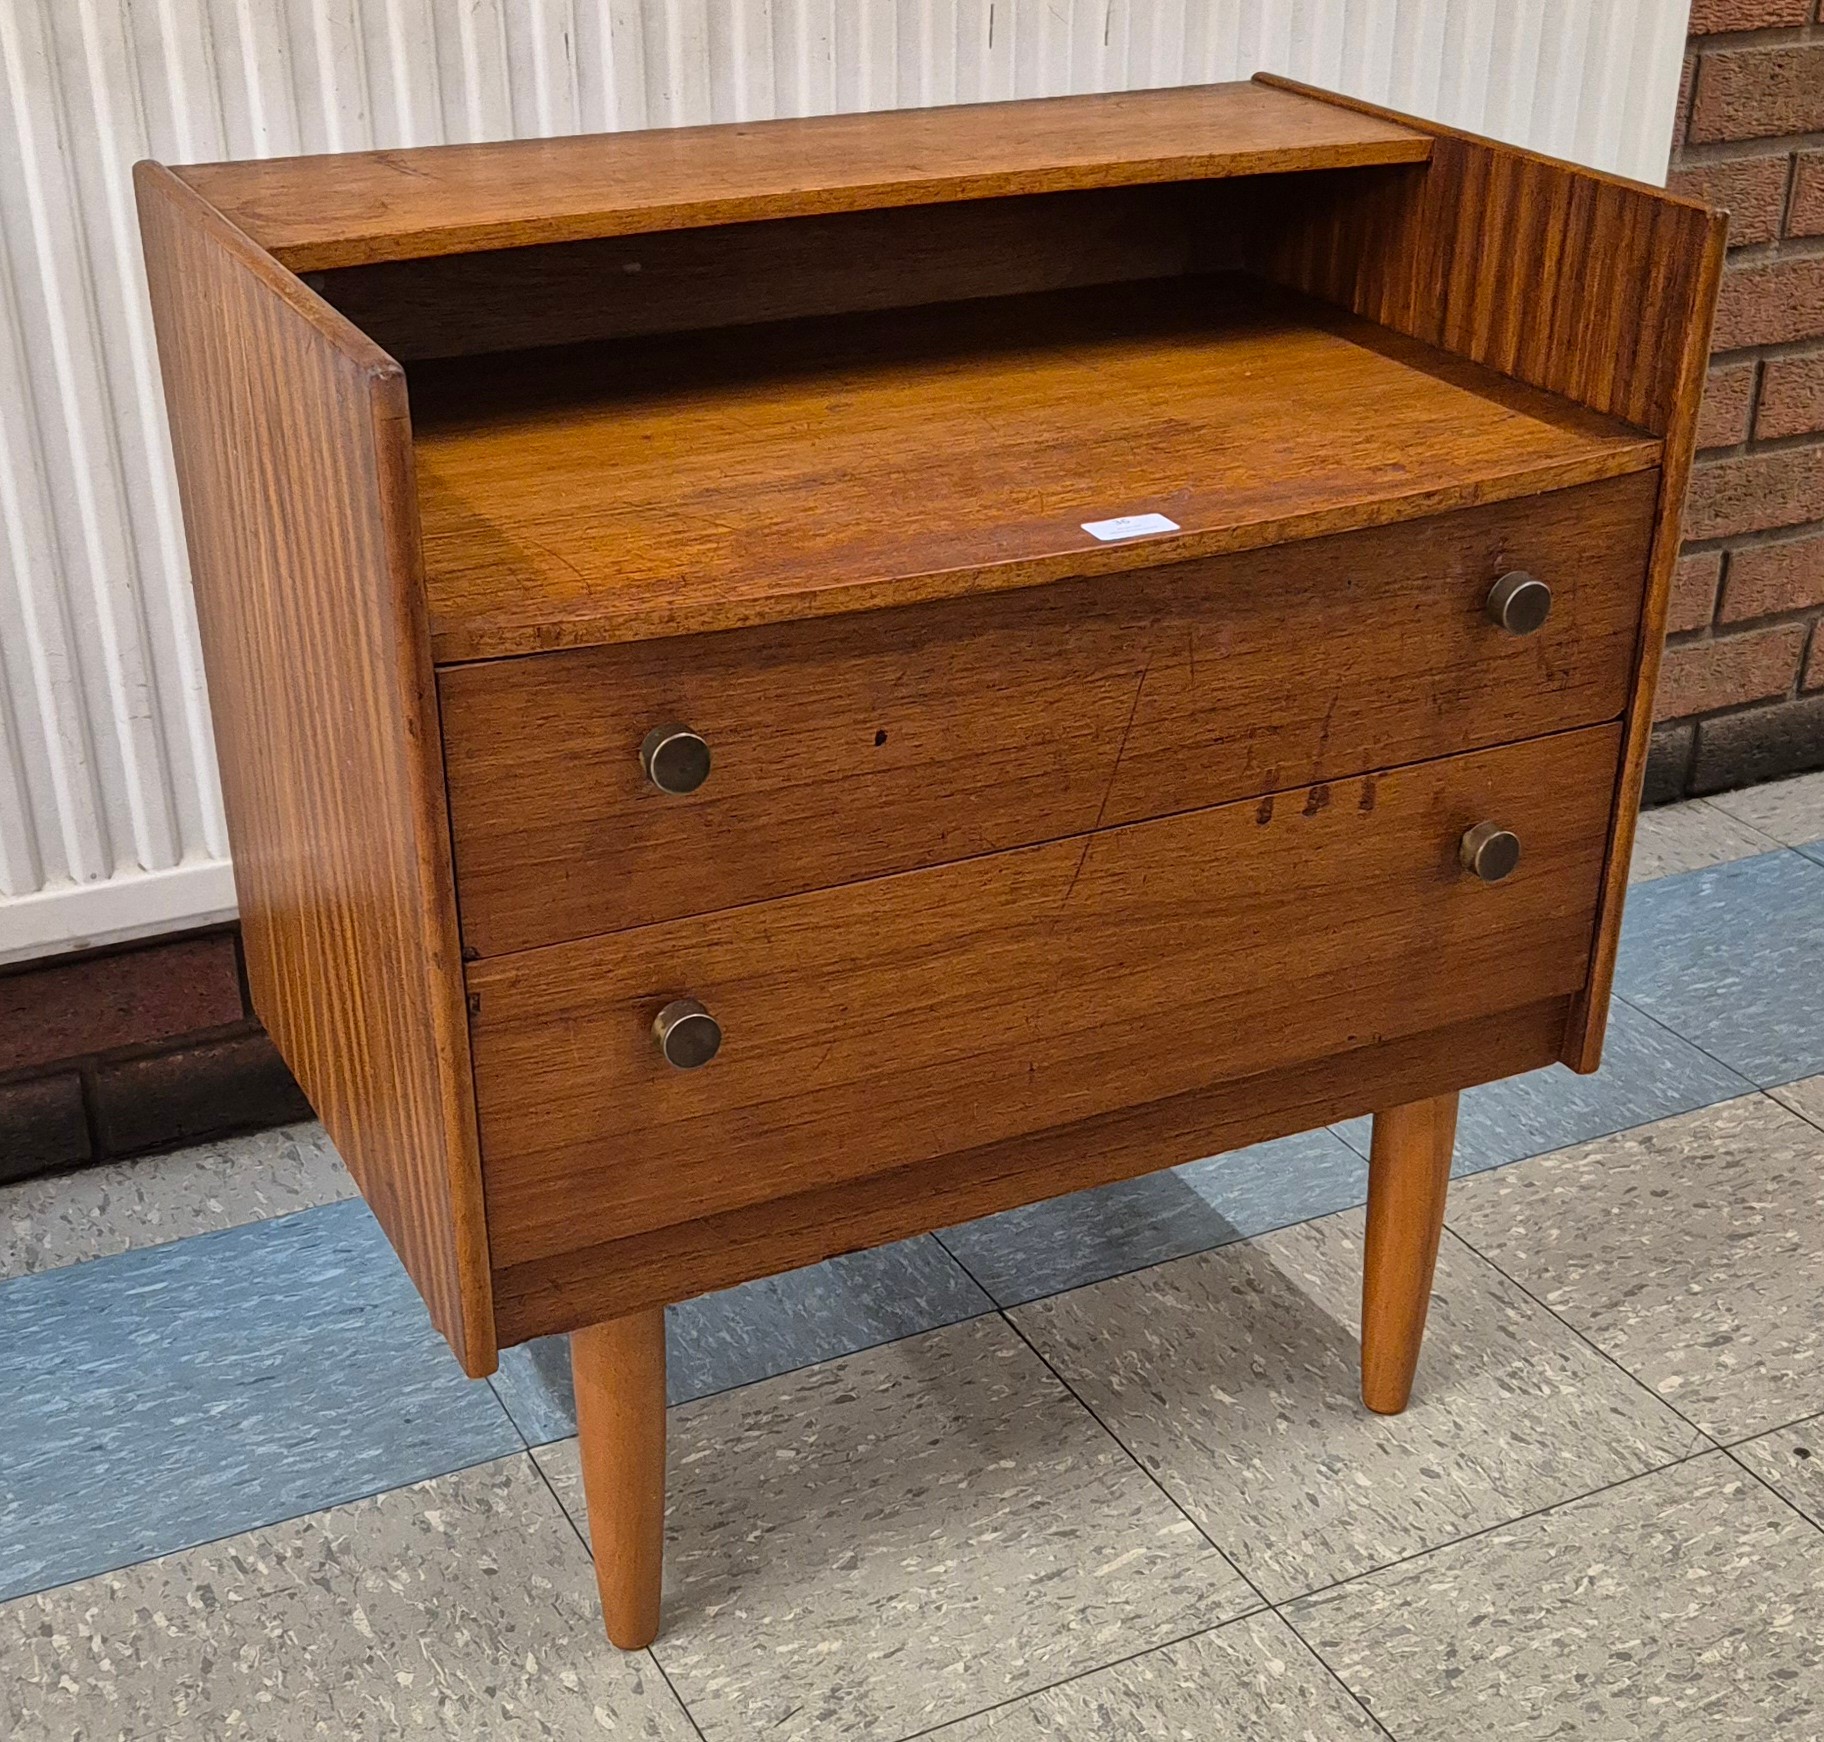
pixel 293 451
pixel 1590 286
pixel 1559 276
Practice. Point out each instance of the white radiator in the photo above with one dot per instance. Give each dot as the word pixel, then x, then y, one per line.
pixel 110 819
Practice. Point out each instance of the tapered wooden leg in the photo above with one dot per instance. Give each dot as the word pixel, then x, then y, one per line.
pixel 1408 1173
pixel 619 1368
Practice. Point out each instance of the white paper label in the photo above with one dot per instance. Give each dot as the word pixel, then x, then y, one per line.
pixel 1128 526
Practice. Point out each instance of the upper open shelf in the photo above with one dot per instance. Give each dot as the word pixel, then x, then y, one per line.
pixel 318 213
pixel 644 487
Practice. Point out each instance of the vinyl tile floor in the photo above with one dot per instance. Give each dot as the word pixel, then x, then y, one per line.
pixel 1095 1469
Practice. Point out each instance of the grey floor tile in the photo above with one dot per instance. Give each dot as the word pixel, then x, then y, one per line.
pixel 1791 1460
pixel 1814 852
pixel 1691 837
pixel 762 1329
pixel 1234 1378
pixel 1254 1680
pixel 1066 1242
pixel 1732 959
pixel 1791 811
pixel 167 1397
pixel 1805 1097
pixel 1692 1251
pixel 462 1608
pixel 1647 1073
pixel 1681 1607
pixel 68 1217
pixel 906 1536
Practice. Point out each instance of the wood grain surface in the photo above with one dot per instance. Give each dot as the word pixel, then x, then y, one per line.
pixel 316 212
pixel 882 1023
pixel 587 1283
pixel 576 497
pixel 1408 1178
pixel 1598 288
pixel 883 741
pixel 617 1370
pixel 295 467
pixel 674 281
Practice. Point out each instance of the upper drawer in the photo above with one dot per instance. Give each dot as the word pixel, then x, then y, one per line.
pixel 852 746
pixel 881 1024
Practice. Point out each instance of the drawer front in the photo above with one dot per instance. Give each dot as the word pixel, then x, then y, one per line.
pixel 884 1023
pixel 854 746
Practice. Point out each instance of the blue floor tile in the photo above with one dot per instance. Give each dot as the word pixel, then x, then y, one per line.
pixel 775 1325
pixel 1814 850
pixel 1732 958
pixel 180 1393
pixel 1647 1073
pixel 1067 1242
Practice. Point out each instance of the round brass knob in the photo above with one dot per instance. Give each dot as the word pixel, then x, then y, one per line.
pixel 1519 602
pixel 686 1034
pixel 675 758
pixel 1490 851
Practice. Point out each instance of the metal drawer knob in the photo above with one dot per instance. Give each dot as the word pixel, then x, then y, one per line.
pixel 686 1034
pixel 1490 851
pixel 675 758
pixel 1519 602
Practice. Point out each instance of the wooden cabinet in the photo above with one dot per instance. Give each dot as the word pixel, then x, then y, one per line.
pixel 781 687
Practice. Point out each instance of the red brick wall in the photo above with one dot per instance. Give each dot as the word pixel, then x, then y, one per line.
pixel 1742 694
pixel 131 1049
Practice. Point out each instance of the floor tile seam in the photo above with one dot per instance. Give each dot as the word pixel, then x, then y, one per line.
pixel 1262 1600
pixel 1330 1670
pixel 1078 1675
pixel 1780 1427
pixel 1711 1442
pixel 1235 1239
pixel 1785 1500
pixel 1284 1606
pixel 987 1312
pixel 287 1217
pixel 1816 1122
pixel 507 1410
pixel 335 1505
pixel 650 1653
pixel 1709 803
pixel 1749 1085
pixel 1714 801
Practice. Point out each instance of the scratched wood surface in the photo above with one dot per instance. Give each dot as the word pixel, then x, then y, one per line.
pixel 1595 287
pixel 577 497
pixel 882 741
pixel 881 1023
pixel 338 210
pixel 294 464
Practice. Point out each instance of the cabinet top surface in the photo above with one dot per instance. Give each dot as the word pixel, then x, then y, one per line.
pixel 631 490
pixel 315 213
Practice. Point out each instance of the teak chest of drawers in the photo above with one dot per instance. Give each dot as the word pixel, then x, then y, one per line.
pixel 781 687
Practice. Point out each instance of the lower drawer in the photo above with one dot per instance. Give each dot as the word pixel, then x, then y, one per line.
pixel 883 1023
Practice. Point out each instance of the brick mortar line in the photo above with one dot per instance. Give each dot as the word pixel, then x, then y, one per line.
pixel 132 1053
pixel 1776 251
pixel 1724 630
pixel 1771 351
pixel 1735 710
pixel 1755 446
pixel 1755 36
pixel 1754 539
pixel 1706 153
